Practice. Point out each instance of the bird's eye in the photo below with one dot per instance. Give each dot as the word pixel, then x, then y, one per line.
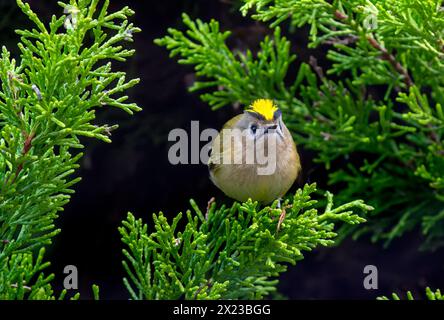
pixel 253 128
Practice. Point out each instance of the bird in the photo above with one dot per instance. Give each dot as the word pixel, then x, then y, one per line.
pixel 239 149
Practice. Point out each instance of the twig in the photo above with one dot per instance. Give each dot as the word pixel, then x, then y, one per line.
pixel 210 202
pixel 345 41
pixel 340 15
pixel 26 147
pixel 282 217
pixel 384 53
pixel 314 64
pixel 209 284
pixel 391 58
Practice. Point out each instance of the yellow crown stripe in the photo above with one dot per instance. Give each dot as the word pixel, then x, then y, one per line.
pixel 265 107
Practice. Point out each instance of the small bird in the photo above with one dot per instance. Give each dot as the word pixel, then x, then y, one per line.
pixel 237 156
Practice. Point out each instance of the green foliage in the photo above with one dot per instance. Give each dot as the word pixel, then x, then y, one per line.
pixel 431 295
pixel 383 118
pixel 232 252
pixel 47 102
pixel 18 273
pixel 242 77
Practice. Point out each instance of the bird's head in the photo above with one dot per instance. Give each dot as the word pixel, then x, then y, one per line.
pixel 261 118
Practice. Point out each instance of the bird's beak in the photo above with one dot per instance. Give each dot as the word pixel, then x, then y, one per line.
pixel 270 129
pixel 274 128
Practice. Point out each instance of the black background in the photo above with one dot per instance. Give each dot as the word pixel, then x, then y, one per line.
pixel 133 173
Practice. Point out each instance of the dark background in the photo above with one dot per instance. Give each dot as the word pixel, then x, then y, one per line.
pixel 133 173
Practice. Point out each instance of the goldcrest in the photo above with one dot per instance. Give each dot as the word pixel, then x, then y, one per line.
pixel 254 155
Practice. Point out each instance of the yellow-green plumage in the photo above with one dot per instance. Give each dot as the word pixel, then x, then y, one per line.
pixel 242 181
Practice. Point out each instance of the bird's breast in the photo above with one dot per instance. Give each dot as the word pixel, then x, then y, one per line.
pixel 265 178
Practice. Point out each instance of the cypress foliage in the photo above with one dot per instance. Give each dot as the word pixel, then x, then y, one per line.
pixel 232 252
pixel 47 102
pixel 377 106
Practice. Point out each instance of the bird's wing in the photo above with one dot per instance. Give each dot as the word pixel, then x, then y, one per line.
pixel 217 155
